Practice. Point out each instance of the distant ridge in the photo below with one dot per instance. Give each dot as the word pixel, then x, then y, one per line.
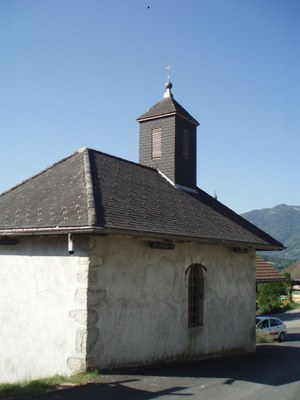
pixel 283 223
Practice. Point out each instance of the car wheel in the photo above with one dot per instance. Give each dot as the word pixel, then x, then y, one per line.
pixel 281 337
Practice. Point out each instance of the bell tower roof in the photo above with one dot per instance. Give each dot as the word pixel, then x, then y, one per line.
pixel 166 107
pixel 168 140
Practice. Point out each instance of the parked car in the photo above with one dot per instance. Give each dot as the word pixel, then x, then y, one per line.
pixel 271 326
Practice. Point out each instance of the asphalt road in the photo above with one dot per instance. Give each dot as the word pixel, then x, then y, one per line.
pixel 273 373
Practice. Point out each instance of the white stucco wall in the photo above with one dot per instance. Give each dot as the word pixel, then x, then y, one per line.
pixel 116 302
pixel 42 309
pixel 137 302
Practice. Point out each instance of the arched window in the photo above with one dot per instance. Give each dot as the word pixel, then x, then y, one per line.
pixel 195 295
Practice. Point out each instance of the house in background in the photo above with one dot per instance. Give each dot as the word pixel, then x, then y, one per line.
pixel 108 263
pixel 294 270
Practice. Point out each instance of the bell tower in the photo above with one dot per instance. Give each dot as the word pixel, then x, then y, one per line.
pixel 168 140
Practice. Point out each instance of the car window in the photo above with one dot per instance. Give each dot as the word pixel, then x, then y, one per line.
pixel 274 322
pixel 265 323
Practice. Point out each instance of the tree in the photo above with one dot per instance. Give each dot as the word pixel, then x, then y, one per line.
pixel 268 298
pixel 289 284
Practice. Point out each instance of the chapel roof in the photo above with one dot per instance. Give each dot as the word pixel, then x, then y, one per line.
pixel 96 192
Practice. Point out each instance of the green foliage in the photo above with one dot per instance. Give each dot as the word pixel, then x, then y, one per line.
pixel 268 298
pixel 288 283
pixel 29 388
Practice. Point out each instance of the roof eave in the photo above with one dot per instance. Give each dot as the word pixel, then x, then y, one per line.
pixel 115 230
pixel 149 118
pixel 269 247
pixel 266 280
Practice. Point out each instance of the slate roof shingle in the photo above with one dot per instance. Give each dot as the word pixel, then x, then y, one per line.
pixel 97 191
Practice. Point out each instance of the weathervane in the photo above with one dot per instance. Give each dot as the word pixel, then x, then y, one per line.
pixel 168 84
pixel 168 67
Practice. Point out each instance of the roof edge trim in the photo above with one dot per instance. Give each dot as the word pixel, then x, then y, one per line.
pixel 47 231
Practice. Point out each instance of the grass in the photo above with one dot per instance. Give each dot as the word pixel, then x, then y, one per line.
pixel 264 339
pixel 294 306
pixel 37 386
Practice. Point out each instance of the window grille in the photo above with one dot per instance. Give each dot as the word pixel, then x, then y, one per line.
pixel 195 295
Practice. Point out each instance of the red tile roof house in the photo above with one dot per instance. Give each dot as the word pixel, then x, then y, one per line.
pixel 266 273
pixel 108 263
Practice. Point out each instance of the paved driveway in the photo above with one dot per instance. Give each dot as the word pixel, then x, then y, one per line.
pixel 270 374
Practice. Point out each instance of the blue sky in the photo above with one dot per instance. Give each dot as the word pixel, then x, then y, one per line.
pixel 77 73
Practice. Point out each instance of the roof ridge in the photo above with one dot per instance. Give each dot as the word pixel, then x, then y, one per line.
pixel 91 210
pixel 122 159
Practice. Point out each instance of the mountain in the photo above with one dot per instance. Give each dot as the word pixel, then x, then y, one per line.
pixel 283 223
